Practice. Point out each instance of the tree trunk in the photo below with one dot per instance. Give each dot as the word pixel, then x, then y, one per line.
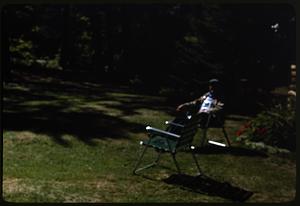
pixel 65 60
pixel 5 47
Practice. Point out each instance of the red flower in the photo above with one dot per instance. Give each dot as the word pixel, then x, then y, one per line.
pixel 240 131
pixel 244 128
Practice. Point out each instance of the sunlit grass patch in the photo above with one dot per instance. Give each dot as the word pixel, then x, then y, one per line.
pixel 149 117
pixel 44 171
pixel 106 107
pixel 53 191
pixel 137 97
pixel 37 103
pixel 16 87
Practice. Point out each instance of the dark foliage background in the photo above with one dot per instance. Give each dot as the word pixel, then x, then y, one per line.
pixel 167 49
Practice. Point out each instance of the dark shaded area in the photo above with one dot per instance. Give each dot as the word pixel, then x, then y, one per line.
pixel 56 114
pixel 208 186
pixel 239 151
pixel 82 52
pixel 172 49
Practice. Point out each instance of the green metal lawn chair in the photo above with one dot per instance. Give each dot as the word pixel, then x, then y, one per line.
pixel 176 137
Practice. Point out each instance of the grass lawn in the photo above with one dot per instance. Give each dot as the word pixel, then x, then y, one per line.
pixel 78 142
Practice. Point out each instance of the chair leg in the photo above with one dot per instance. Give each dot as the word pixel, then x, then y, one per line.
pixel 158 157
pixel 203 137
pixel 139 160
pixel 136 169
pixel 226 136
pixel 196 161
pixel 204 131
pixel 208 120
pixel 176 163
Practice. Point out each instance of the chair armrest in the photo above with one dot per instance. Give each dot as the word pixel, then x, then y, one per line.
pixel 174 124
pixel 160 132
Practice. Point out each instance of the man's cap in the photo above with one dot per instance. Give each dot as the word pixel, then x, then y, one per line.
pixel 213 81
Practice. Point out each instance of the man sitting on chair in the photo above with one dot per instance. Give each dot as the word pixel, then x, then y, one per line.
pixel 209 106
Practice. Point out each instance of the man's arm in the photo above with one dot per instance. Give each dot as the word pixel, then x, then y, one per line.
pixel 219 105
pixel 192 103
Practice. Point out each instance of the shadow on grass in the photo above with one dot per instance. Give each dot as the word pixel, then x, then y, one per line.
pixel 53 106
pixel 84 126
pixel 205 185
pixel 238 151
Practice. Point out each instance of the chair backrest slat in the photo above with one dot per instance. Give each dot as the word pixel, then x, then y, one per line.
pixel 188 132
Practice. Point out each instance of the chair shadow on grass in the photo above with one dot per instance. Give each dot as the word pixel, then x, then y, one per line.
pixel 200 184
pixel 208 186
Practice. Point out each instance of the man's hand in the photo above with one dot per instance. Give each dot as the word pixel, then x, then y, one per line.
pixel 179 107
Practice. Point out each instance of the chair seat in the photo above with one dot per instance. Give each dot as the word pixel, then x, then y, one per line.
pixel 161 143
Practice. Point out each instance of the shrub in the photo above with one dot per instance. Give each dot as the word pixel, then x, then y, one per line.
pixel 54 63
pixel 21 52
pixel 275 126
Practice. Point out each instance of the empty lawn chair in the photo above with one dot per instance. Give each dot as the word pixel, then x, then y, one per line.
pixel 177 136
